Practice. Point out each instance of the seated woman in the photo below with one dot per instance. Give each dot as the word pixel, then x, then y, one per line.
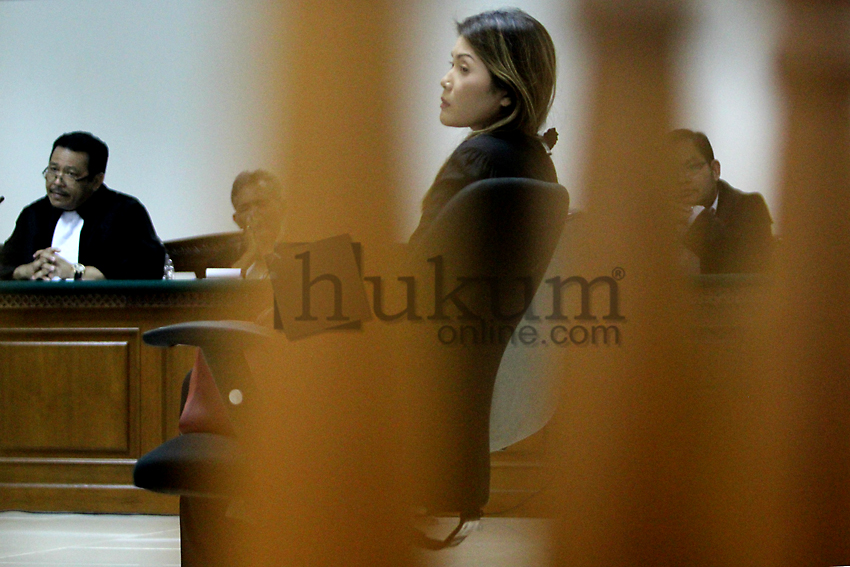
pixel 501 85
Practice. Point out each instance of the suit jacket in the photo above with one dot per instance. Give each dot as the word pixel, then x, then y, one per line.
pixel 736 238
pixel 118 237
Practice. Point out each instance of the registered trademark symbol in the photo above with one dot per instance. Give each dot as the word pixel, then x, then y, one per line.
pixel 618 273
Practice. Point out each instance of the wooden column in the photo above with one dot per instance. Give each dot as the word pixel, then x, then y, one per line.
pixel 329 491
pixel 715 436
pixel 627 431
pixel 813 340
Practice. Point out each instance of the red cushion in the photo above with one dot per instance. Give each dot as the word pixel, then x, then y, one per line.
pixel 204 411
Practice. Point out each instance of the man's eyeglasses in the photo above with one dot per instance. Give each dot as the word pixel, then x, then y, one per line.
pixel 51 174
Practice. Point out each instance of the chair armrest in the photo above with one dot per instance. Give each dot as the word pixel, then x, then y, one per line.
pixel 211 335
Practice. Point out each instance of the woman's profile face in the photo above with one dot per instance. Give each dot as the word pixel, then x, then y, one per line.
pixel 469 99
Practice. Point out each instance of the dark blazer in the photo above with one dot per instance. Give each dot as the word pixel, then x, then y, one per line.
pixel 737 238
pixel 118 237
pixel 505 153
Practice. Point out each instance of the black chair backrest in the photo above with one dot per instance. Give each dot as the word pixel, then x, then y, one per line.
pixel 494 240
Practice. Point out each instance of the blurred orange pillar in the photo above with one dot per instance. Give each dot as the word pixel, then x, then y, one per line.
pixel 813 337
pixel 329 490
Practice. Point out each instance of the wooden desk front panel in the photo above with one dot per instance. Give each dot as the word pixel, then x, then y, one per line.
pixel 82 397
pixel 69 391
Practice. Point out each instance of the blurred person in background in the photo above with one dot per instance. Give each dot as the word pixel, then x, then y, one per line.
pixel 728 230
pixel 260 211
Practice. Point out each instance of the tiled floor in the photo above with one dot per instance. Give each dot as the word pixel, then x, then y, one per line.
pixel 499 542
pixel 102 540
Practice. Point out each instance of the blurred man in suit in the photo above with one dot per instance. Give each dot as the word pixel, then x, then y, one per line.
pixel 728 230
pixel 259 210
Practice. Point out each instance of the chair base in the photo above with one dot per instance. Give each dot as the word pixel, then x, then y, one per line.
pixel 209 537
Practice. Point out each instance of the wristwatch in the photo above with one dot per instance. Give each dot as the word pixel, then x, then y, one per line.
pixel 79 271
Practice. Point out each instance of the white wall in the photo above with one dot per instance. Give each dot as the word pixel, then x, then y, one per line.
pixel 177 90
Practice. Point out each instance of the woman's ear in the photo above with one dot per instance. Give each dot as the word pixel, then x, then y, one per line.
pixel 506 101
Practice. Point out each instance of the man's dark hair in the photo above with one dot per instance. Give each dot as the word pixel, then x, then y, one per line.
pixel 699 140
pixel 88 144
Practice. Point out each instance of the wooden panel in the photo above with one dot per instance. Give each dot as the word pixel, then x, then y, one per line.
pixel 176 362
pixel 519 477
pixel 65 471
pixel 161 397
pixel 81 484
pixel 81 396
pixel 107 499
pixel 68 391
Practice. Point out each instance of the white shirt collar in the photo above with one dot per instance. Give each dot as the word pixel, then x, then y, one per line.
pixel 66 236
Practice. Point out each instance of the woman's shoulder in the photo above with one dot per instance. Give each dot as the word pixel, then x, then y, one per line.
pixel 500 139
pixel 507 154
pixel 503 144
